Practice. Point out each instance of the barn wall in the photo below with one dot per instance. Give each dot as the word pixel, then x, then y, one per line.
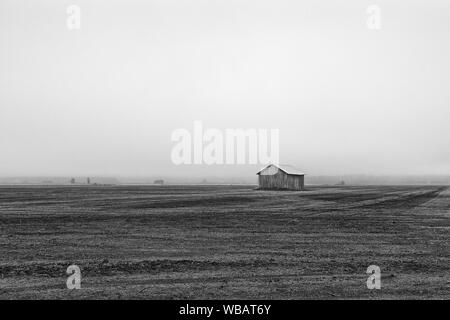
pixel 281 180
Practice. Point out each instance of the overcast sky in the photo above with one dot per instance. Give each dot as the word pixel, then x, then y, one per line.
pixel 104 100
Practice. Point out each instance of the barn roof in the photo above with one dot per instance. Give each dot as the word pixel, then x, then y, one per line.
pixel 286 168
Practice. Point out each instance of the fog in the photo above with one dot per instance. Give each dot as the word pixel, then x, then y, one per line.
pixel 105 99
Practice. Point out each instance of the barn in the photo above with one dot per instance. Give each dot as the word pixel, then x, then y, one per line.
pixel 281 177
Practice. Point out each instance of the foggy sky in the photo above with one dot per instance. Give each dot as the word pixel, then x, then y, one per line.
pixel 104 100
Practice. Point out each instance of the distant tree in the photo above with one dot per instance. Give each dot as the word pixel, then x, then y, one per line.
pixel 72 181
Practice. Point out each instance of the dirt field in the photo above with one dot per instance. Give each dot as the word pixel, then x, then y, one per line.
pixel 224 242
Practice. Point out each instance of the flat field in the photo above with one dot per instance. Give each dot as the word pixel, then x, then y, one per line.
pixel 224 242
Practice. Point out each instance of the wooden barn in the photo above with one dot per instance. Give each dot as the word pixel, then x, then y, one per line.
pixel 281 177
